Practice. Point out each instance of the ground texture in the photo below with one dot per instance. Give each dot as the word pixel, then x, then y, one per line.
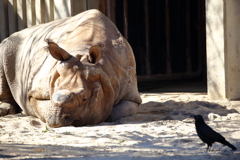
pixel 162 129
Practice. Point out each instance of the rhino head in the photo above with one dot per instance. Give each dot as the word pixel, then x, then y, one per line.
pixel 80 92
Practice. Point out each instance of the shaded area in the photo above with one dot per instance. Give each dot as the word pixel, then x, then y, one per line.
pixel 167 37
pixel 172 86
pixel 180 110
pixel 179 147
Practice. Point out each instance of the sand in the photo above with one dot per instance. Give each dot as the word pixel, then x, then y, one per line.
pixel 162 129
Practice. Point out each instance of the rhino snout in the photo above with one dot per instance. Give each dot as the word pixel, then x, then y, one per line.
pixel 59 121
pixel 62 96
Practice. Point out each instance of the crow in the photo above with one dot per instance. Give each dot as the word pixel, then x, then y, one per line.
pixel 208 135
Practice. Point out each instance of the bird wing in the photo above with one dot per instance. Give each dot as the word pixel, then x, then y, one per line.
pixel 210 133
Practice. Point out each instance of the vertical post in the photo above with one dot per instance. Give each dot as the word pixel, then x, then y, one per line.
pixel 29 12
pixel 188 31
pixel 22 14
pixel 231 35
pixel 168 53
pixel 147 61
pixel 201 33
pixel 125 16
pixel 137 22
pixel 179 38
pixel 78 6
pixel 33 9
pixel 49 10
pixel 52 10
pixel 137 39
pixel 215 49
pixel 12 16
pixel 109 9
pixel 38 11
pixel 62 9
pixel 113 13
pixel 4 32
pixel 87 4
pixel 158 36
pixel 94 4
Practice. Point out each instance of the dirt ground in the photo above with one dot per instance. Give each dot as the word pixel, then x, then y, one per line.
pixel 162 129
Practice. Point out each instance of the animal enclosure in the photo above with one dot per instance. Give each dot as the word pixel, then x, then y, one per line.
pixel 168 37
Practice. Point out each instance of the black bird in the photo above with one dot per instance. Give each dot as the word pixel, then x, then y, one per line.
pixel 208 135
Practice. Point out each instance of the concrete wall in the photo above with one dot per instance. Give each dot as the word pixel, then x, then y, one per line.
pixel 215 48
pixel 223 48
pixel 232 48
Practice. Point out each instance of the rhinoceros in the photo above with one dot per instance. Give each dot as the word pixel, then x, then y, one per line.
pixel 75 71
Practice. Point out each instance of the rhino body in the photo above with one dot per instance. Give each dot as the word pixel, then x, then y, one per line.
pixel 74 71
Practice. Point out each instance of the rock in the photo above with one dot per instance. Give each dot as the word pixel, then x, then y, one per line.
pixel 233 116
pixel 212 116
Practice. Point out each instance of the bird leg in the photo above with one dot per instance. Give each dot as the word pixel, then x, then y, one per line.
pixel 207 148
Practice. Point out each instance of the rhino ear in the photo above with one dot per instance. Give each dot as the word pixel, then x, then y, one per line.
pixel 94 54
pixel 57 52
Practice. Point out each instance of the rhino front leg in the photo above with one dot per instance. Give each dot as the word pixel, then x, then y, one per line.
pixel 7 102
pixel 123 109
pixel 8 108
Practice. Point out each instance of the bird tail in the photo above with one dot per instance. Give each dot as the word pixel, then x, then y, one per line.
pixel 230 145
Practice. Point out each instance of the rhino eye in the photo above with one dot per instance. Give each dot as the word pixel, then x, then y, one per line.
pixel 84 99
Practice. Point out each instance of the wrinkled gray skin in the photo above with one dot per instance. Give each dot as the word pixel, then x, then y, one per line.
pixel 75 71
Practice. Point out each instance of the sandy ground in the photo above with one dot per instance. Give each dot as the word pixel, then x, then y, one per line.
pixel 162 129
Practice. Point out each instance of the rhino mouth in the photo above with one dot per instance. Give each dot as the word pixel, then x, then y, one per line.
pixel 76 123
pixel 59 121
pixel 67 120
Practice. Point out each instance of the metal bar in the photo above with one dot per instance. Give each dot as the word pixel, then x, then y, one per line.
pixel 110 7
pixel 114 11
pixel 148 67
pixel 158 33
pixel 168 52
pixel 188 31
pixel 201 33
pixel 125 21
pixel 137 22
pixel 179 38
pixel 87 4
pixel 109 10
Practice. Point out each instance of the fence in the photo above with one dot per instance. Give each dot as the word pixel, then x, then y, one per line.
pixel 167 37
pixel 16 15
